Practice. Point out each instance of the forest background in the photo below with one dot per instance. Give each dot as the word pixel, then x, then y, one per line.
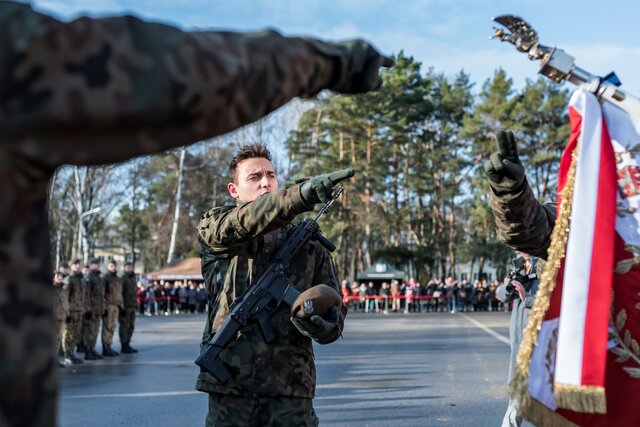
pixel 419 198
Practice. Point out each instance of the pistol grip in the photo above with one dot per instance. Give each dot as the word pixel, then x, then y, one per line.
pixel 213 365
pixel 265 327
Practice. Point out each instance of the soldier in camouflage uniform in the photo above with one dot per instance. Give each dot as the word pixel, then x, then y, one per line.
pixel 272 383
pixel 112 306
pixel 61 308
pixel 95 91
pixel 73 323
pixel 524 224
pixel 127 316
pixel 91 323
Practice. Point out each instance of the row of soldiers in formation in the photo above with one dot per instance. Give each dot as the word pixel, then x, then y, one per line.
pixel 85 297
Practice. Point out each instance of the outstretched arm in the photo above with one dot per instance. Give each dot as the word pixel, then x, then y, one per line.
pixel 103 90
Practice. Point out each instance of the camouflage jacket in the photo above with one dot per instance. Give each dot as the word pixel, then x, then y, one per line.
pixel 62 301
pixel 95 91
pixel 76 292
pixel 523 223
pixel 129 290
pixel 95 283
pixel 236 244
pixel 112 290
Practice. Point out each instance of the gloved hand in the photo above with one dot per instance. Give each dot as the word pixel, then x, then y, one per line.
pixel 504 169
pixel 317 327
pixel 319 188
pixel 87 315
pixel 357 65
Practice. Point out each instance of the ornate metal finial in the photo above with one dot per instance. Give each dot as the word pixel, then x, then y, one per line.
pixel 559 66
pixel 521 35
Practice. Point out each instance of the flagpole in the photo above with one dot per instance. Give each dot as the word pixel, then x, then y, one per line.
pixel 559 66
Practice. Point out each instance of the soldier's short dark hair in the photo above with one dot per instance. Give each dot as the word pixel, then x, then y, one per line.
pixel 74 261
pixel 245 152
pixel 94 261
pixel 112 261
pixel 128 263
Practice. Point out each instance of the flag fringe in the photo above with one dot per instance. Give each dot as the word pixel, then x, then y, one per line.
pixel 555 254
pixel 541 416
pixel 590 399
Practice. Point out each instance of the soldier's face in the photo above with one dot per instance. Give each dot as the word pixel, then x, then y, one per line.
pixel 255 177
pixel 111 267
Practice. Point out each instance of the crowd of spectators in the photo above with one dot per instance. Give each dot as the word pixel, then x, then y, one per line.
pixel 159 297
pixel 436 295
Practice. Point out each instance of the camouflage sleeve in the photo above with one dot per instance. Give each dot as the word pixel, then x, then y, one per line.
pixel 103 90
pixel 523 223
pixel 223 228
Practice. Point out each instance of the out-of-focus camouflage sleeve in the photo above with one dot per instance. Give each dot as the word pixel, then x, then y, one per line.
pixel 524 223
pixel 226 227
pixel 104 90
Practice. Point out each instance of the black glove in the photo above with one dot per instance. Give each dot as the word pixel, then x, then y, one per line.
pixel 319 188
pixel 105 313
pixel 357 65
pixel 68 319
pixel 87 315
pixel 504 169
pixel 317 327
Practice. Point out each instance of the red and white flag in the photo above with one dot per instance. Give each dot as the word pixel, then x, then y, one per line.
pixel 579 362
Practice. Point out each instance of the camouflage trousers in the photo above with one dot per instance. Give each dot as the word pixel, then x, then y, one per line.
pixel 73 328
pixel 109 321
pixel 126 319
pixel 60 328
pixel 90 328
pixel 236 411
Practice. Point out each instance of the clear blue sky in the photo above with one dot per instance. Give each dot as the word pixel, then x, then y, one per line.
pixel 448 35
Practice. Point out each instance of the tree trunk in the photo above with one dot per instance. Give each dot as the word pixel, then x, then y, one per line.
pixel 480 267
pixel 176 216
pixel 452 246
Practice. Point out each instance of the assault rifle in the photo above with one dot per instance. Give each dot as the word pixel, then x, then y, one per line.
pixel 265 294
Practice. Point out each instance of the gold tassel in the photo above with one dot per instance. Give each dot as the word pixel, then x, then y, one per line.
pixel 542 416
pixel 555 254
pixel 590 399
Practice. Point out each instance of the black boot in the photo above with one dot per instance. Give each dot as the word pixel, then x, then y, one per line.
pixel 91 355
pixel 75 359
pixel 81 348
pixel 109 352
pixel 126 348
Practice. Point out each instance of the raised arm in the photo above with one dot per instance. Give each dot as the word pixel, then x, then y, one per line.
pixel 523 223
pixel 226 227
pixel 104 90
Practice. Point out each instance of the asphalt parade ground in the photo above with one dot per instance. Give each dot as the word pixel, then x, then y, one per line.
pixel 416 369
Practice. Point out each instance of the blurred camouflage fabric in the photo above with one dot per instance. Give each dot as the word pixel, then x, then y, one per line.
pixel 95 91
